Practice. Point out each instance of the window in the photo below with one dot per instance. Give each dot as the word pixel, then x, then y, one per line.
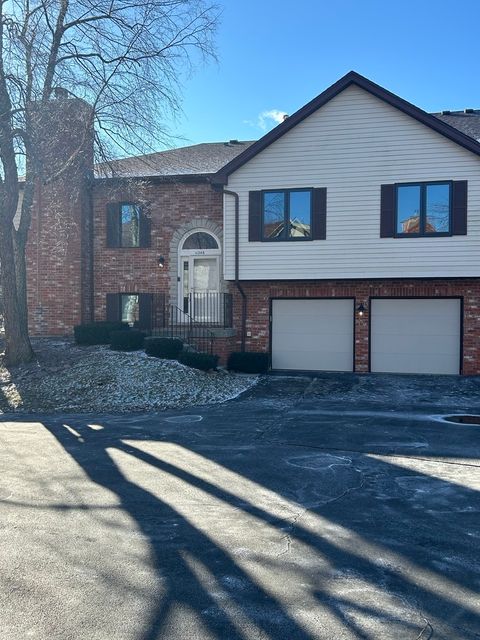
pixel 200 240
pixel 127 225
pixel 129 308
pixel 141 310
pixel 423 209
pixel 287 214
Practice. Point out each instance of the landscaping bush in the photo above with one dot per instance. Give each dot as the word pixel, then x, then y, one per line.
pixel 248 362
pixel 97 332
pixel 203 361
pixel 163 347
pixel 130 340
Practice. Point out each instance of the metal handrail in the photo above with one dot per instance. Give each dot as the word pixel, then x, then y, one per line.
pixel 182 325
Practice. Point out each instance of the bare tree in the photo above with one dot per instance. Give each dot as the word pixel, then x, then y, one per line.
pixel 125 58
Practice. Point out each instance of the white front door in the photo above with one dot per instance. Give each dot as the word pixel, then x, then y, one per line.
pixel 199 286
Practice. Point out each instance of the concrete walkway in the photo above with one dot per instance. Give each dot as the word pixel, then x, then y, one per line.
pixel 338 507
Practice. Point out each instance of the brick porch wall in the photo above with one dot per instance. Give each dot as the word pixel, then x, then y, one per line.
pixel 260 293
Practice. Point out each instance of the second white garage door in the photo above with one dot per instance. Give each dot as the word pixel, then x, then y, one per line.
pixel 312 335
pixel 415 335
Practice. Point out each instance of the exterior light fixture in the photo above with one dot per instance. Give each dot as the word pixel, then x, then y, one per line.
pixel 161 261
pixel 361 310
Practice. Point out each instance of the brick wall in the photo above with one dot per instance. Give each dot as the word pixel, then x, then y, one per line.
pixel 58 250
pixel 174 209
pixel 260 293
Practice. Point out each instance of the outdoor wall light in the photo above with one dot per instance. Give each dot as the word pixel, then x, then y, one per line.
pixel 161 261
pixel 361 310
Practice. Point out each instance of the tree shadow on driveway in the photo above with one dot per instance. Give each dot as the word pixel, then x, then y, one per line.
pixel 278 543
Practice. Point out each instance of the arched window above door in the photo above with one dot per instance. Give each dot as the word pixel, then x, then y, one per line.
pixel 200 240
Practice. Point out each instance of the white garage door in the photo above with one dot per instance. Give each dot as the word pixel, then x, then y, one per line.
pixel 312 335
pixel 415 335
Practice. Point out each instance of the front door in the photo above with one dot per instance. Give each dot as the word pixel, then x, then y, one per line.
pixel 200 287
pixel 199 277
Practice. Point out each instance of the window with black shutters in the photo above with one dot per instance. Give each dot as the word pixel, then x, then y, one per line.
pixel 128 225
pixel 287 215
pixel 423 209
pixel 133 308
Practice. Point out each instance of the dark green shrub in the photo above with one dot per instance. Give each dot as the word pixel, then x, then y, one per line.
pixel 203 361
pixel 163 347
pixel 97 332
pixel 130 340
pixel 248 362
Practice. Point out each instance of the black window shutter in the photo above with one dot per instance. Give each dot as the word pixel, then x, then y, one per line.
pixel 113 307
pixel 145 230
pixel 255 216
pixel 319 214
pixel 459 208
pixel 145 311
pixel 113 224
pixel 387 211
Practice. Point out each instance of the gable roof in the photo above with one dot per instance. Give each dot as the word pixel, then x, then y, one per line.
pixel 352 78
pixel 195 160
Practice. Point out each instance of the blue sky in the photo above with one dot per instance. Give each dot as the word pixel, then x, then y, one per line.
pixel 278 55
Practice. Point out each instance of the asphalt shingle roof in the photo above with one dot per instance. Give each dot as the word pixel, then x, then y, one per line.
pixel 468 123
pixel 209 157
pixel 198 159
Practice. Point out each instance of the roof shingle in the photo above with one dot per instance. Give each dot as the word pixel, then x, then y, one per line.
pixel 468 123
pixel 198 159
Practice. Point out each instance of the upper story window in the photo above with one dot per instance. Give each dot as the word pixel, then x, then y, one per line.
pixel 127 225
pixel 423 209
pixel 287 214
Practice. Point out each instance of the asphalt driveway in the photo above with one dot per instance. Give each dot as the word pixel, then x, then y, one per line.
pixel 339 507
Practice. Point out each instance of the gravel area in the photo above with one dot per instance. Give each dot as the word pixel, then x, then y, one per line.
pixel 88 379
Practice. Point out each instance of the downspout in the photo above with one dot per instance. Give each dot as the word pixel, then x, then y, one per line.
pixel 237 266
pixel 91 248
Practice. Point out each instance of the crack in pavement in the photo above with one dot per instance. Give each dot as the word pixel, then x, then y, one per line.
pixel 386 454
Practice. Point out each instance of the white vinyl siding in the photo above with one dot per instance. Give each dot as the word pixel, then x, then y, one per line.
pixel 353 145
pixel 312 335
pixel 415 335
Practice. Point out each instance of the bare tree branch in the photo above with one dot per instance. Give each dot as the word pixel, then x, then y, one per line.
pixel 125 58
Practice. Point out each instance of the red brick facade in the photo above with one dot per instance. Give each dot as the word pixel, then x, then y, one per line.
pixel 59 250
pixel 171 206
pixel 259 295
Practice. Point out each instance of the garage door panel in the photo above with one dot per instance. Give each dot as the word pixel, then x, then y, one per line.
pixel 417 344
pixel 433 364
pixel 415 335
pixel 312 335
pixel 427 325
pixel 309 360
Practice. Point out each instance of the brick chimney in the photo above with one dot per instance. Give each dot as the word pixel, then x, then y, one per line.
pixel 59 249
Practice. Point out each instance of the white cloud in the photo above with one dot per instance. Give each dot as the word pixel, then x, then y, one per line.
pixel 265 118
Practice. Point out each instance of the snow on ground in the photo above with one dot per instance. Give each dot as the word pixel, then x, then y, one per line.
pixel 90 379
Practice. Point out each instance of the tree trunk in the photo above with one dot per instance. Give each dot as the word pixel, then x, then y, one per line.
pixel 17 343
pixel 21 275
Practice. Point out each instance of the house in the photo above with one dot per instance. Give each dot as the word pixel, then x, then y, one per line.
pixel 346 239
pixel 384 275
